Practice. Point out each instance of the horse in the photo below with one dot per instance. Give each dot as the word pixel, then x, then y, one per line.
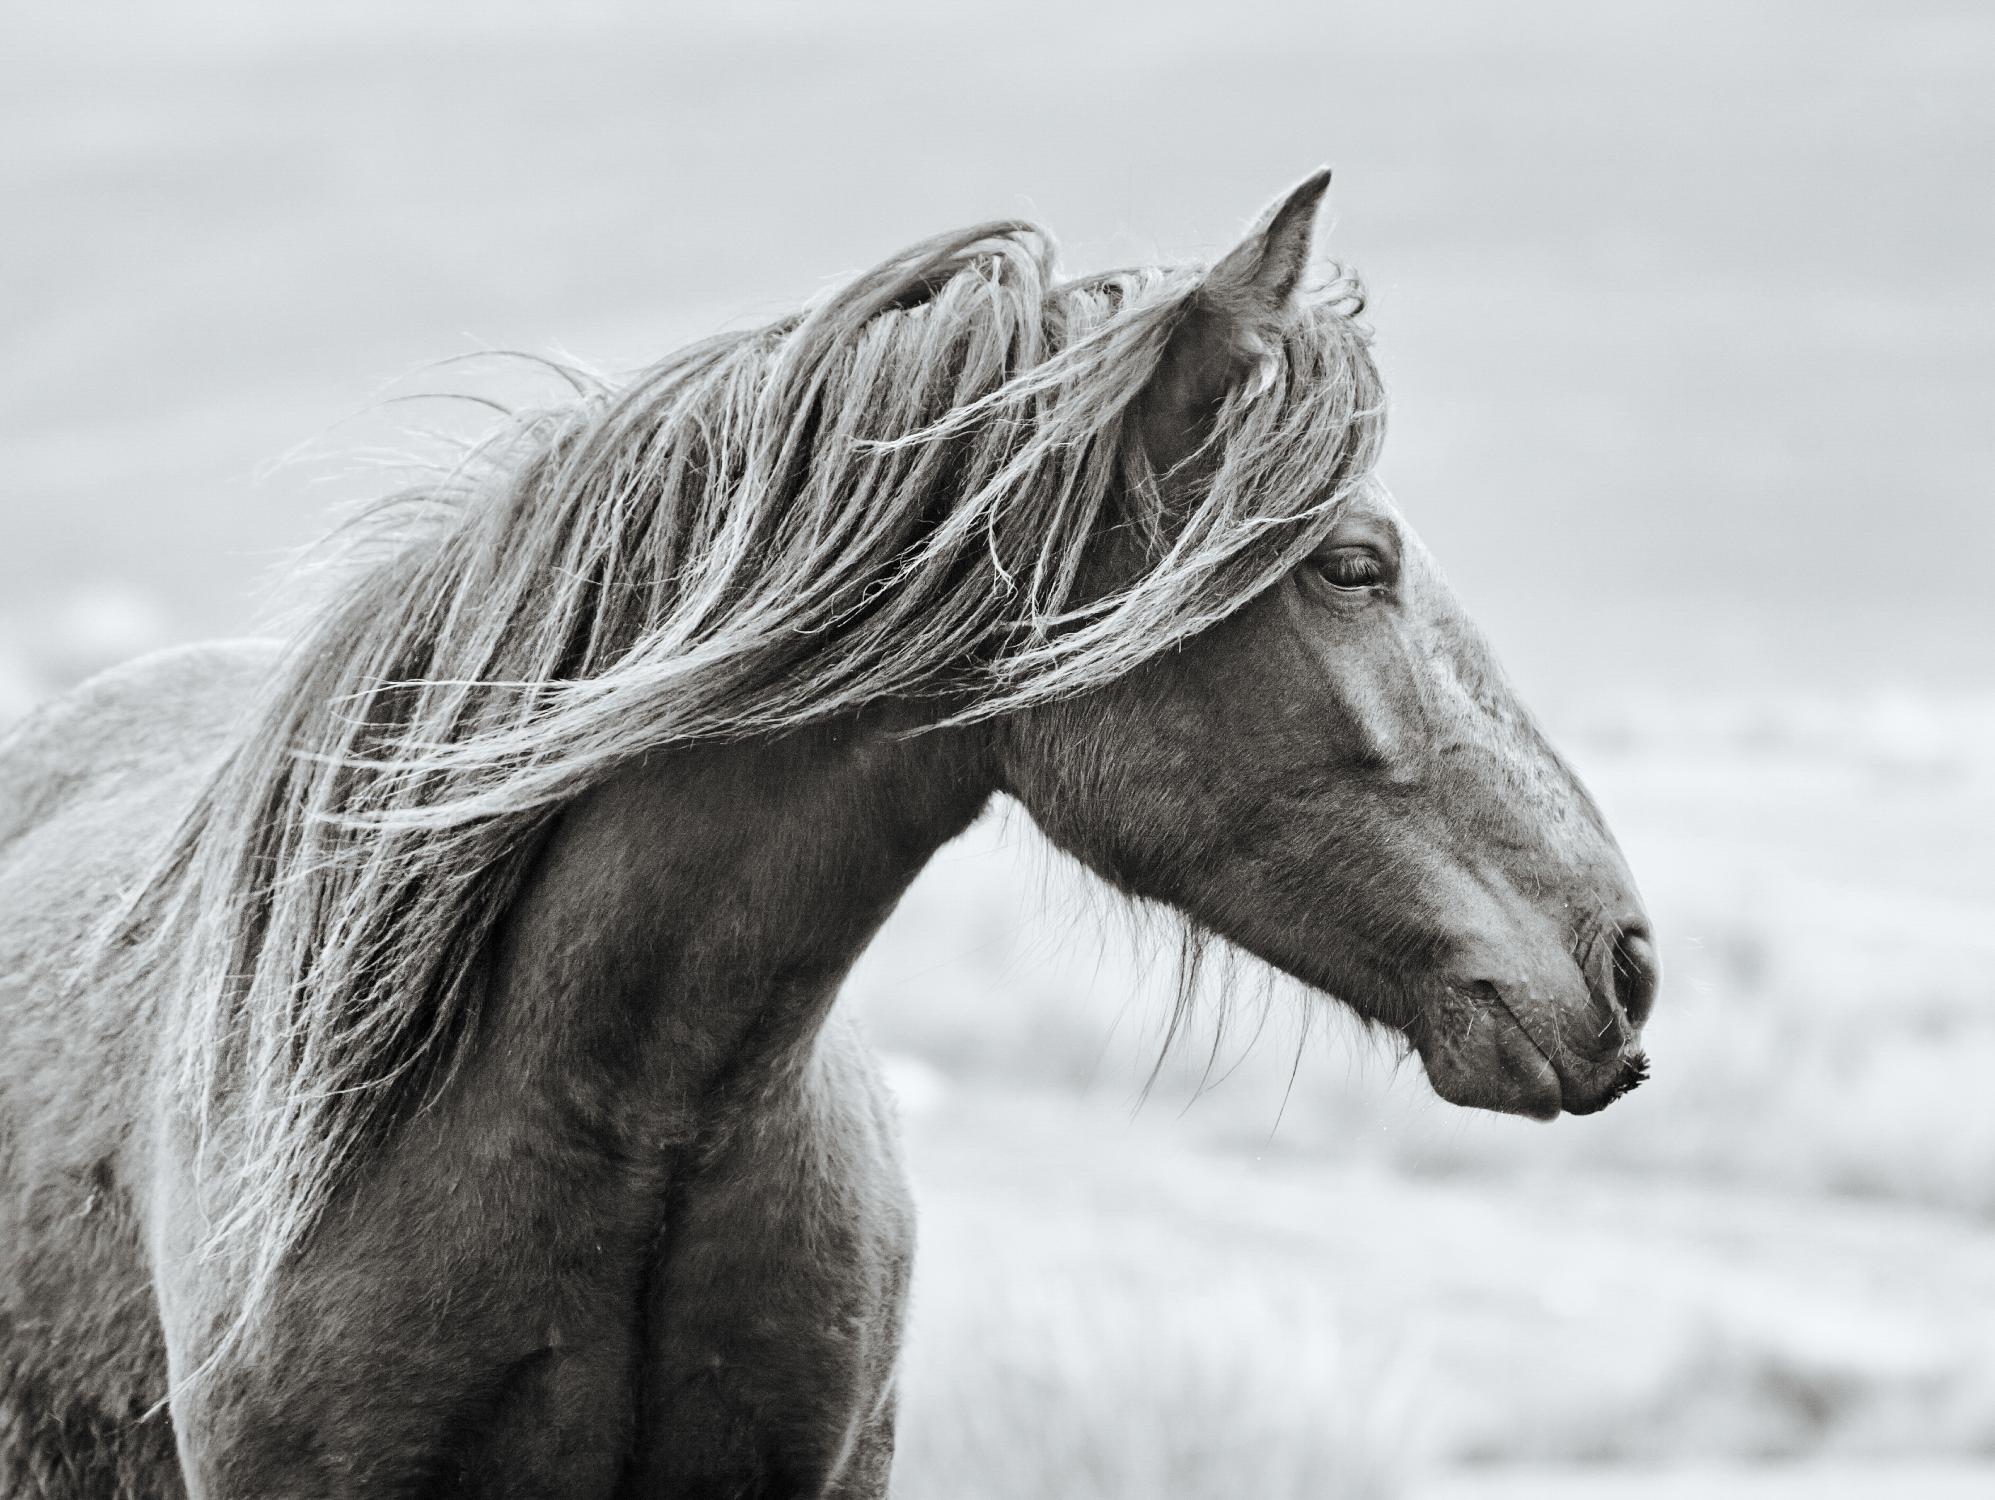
pixel 421 1073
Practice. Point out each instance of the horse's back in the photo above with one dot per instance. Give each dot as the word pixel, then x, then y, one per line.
pixel 89 786
pixel 162 716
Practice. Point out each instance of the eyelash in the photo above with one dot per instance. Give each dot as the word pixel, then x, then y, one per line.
pixel 1352 560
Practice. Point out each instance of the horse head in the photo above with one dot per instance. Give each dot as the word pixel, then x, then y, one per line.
pixel 1338 778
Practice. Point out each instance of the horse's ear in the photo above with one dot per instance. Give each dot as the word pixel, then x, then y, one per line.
pixel 1256 280
pixel 1226 327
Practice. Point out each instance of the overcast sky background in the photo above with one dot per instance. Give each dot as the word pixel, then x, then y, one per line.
pixel 1688 309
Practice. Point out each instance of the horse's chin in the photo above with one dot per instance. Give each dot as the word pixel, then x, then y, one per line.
pixel 1491 1063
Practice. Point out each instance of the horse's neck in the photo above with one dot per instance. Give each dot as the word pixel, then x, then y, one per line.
pixel 691 921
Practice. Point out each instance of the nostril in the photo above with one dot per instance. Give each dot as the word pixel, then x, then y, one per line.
pixel 1637 972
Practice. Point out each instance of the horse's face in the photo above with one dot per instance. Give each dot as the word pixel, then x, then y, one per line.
pixel 1338 779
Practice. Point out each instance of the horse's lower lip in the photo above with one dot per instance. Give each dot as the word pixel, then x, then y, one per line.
pixel 1620 1074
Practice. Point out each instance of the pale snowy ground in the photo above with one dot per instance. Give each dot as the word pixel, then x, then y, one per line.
pixel 1367 1325
pixel 1860 1481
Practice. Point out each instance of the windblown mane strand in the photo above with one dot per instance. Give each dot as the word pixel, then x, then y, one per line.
pixel 890 495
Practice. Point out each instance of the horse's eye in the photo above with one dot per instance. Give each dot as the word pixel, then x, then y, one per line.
pixel 1351 567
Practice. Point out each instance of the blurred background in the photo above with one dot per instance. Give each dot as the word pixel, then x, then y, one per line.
pixel 1688 312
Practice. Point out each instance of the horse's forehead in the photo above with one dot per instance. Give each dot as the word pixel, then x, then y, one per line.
pixel 1370 497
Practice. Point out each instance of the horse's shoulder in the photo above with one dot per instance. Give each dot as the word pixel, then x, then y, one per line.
pixel 166 713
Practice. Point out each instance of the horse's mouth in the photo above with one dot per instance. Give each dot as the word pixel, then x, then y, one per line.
pixel 1480 1053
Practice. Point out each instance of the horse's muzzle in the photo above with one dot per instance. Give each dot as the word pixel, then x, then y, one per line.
pixel 1564 1041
